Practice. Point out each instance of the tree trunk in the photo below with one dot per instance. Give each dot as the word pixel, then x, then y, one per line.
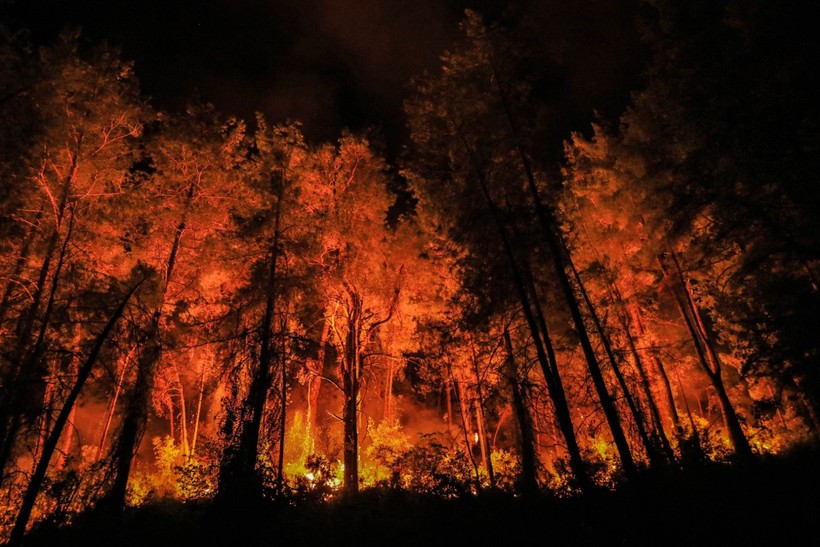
pixel 388 391
pixel 543 346
pixel 350 381
pixel 68 437
pixel 19 265
pixel 560 257
pixel 465 429
pixel 708 359
pixel 486 454
pixel 314 389
pixel 635 320
pixel 23 376
pixel 239 476
pixel 198 408
pixel 655 458
pixel 280 473
pixel 650 397
pixel 30 496
pixel 183 420
pixel 113 406
pixel 136 413
pixel 528 482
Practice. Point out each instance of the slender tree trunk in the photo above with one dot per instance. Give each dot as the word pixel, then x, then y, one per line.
pixel 709 361
pixel 198 408
pixel 543 346
pixel 24 375
pixel 19 265
pixel 171 419
pixel 650 397
pixel 484 445
pixel 388 391
pixel 44 419
pixel 560 258
pixel 465 429
pixel 113 406
pixel 30 496
pixel 635 320
pixel 280 472
pixel 655 458
pixel 183 418
pixel 136 413
pixel 238 474
pixel 528 481
pixel 448 393
pixel 68 437
pixel 480 422
pixel 314 390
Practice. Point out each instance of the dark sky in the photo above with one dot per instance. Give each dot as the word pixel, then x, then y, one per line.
pixel 333 63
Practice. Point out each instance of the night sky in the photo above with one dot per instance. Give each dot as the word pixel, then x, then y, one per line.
pixel 334 64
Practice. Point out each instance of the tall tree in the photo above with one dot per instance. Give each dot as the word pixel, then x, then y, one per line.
pixel 195 168
pixel 90 114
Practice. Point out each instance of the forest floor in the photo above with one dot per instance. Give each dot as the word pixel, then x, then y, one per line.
pixel 773 501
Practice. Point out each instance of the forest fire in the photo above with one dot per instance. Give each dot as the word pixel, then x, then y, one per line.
pixel 197 308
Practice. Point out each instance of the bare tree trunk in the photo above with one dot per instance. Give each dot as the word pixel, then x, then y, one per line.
pixel 448 393
pixel 24 373
pixel 183 422
pixel 198 407
pixel 388 391
pixel 136 413
pixel 113 406
pixel 68 437
pixel 483 443
pixel 171 419
pixel 561 258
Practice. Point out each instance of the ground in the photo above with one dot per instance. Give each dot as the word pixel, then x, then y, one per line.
pixel 773 501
